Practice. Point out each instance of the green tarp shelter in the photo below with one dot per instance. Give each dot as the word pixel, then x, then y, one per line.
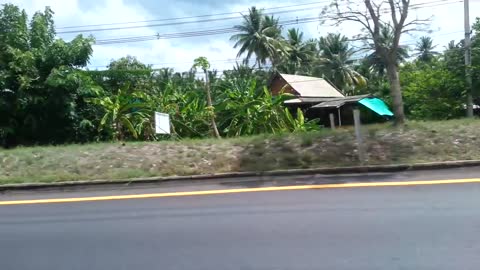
pixel 377 105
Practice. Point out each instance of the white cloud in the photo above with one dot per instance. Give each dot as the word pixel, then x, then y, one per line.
pixel 447 24
pixel 65 8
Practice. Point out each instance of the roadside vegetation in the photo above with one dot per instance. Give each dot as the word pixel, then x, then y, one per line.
pixel 49 97
pixel 416 142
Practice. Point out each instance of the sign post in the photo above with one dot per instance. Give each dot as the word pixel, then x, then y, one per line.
pixel 162 123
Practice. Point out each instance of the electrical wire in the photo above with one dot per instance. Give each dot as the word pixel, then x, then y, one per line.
pixel 180 23
pixel 218 31
pixel 232 30
pixel 413 6
pixel 164 65
pixel 191 17
pixel 228 30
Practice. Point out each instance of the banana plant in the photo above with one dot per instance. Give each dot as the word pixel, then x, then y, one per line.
pixel 186 107
pixel 122 112
pixel 246 109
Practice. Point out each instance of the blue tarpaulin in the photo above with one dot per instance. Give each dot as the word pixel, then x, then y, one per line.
pixel 377 105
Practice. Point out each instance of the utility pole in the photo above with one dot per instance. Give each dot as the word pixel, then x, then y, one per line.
pixel 468 59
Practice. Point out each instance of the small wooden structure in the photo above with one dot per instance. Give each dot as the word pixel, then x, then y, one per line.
pixel 306 89
pixel 341 108
pixel 318 99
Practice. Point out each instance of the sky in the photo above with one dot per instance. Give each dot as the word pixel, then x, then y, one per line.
pixel 178 53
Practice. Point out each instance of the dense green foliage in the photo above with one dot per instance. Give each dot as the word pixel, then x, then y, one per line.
pixel 335 62
pixel 260 35
pixel 41 89
pixel 47 96
pixel 431 91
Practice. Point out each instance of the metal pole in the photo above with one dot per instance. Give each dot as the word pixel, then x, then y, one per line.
pixel 468 59
pixel 358 135
pixel 332 121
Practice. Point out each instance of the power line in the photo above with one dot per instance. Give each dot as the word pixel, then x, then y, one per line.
pixel 191 17
pixel 194 33
pixel 448 2
pixel 222 30
pixel 233 60
pixel 230 30
pixel 414 6
pixel 179 23
pixel 252 60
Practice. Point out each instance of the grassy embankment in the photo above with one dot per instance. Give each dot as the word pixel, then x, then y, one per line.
pixel 416 142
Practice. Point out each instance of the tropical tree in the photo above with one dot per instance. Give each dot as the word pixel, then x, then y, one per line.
pixel 454 55
pixel 125 73
pixel 260 36
pixel 425 49
pixel 475 44
pixel 246 109
pixel 38 102
pixel 432 91
pixel 241 71
pixel 186 108
pixel 202 62
pixel 122 112
pixel 336 63
pixel 369 15
pixel 451 45
pixel 375 61
pixel 301 55
pixel 377 84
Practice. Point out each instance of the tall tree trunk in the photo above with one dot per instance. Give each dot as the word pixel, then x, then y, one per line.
pixel 209 104
pixel 395 92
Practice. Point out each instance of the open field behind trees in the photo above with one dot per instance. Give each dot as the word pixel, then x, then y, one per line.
pixel 416 142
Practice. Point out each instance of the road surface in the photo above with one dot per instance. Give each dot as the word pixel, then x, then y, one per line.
pixel 409 227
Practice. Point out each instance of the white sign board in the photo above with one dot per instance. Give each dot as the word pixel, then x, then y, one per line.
pixel 162 123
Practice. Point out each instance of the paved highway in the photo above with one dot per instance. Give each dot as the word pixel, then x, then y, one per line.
pixel 409 227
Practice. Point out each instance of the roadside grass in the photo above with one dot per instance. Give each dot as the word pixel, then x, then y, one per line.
pixel 385 144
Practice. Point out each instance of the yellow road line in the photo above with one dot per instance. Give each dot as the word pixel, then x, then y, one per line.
pixel 239 190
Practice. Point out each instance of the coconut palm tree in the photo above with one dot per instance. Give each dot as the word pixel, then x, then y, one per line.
pixel 260 36
pixel 425 49
pixel 375 61
pixel 301 55
pixel 336 63
pixel 451 45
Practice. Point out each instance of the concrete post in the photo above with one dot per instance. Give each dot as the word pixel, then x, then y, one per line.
pixel 332 121
pixel 358 135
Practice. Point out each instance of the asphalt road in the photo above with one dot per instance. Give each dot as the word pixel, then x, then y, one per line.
pixel 412 227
